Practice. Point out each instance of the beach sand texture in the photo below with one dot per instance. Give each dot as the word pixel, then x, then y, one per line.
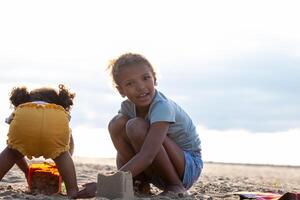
pixel 218 180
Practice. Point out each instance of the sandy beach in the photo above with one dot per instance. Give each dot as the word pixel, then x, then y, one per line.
pixel 218 180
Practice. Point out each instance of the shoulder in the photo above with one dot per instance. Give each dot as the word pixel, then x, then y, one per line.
pixel 127 104
pixel 127 108
pixel 161 109
pixel 160 101
pixel 159 97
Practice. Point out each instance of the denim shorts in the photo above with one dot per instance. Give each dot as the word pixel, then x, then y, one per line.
pixel 192 170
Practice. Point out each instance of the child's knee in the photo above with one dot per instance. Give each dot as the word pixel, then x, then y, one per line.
pixel 137 128
pixel 116 125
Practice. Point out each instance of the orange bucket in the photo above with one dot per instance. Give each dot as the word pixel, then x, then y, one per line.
pixel 44 178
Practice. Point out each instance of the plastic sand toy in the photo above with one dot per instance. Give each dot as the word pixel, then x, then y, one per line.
pixel 44 178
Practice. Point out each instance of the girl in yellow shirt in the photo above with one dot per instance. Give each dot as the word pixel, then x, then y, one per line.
pixel 39 126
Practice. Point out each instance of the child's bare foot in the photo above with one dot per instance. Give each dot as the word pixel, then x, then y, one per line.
pixel 174 189
pixel 72 193
pixel 88 191
pixel 141 187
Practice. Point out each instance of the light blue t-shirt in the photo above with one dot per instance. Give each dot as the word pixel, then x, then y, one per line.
pixel 181 130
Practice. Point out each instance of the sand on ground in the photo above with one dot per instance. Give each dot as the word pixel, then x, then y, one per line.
pixel 217 181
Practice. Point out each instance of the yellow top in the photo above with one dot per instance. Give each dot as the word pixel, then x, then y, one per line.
pixel 39 130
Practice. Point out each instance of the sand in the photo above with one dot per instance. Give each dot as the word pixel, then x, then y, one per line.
pixel 218 180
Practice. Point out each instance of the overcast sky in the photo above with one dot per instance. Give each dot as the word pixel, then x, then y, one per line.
pixel 232 65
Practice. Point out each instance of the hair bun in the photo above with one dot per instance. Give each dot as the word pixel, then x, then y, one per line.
pixel 19 95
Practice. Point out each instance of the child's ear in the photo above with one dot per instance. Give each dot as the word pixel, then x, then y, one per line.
pixel 120 91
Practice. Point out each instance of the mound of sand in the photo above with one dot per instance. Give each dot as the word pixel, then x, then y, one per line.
pixel 218 180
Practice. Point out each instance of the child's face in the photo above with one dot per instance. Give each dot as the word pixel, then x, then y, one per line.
pixel 137 83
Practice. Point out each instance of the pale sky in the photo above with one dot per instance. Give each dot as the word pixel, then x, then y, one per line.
pixel 234 66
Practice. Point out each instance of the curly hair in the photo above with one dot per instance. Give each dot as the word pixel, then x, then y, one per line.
pixel 62 97
pixel 125 60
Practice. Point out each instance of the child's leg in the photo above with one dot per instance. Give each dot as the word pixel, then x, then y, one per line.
pixel 120 140
pixel 125 151
pixel 22 164
pixel 66 169
pixel 8 158
pixel 169 162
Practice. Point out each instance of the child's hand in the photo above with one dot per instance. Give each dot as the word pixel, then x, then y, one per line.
pixel 10 118
pixel 88 191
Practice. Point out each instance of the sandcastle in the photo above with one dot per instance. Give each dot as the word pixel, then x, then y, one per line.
pixel 116 186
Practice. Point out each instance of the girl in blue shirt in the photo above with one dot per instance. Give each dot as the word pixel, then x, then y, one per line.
pixel 155 138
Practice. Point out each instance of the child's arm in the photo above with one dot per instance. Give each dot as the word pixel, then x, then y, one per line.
pixel 71 150
pixel 151 146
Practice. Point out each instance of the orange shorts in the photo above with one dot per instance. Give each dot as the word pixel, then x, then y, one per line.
pixel 39 130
